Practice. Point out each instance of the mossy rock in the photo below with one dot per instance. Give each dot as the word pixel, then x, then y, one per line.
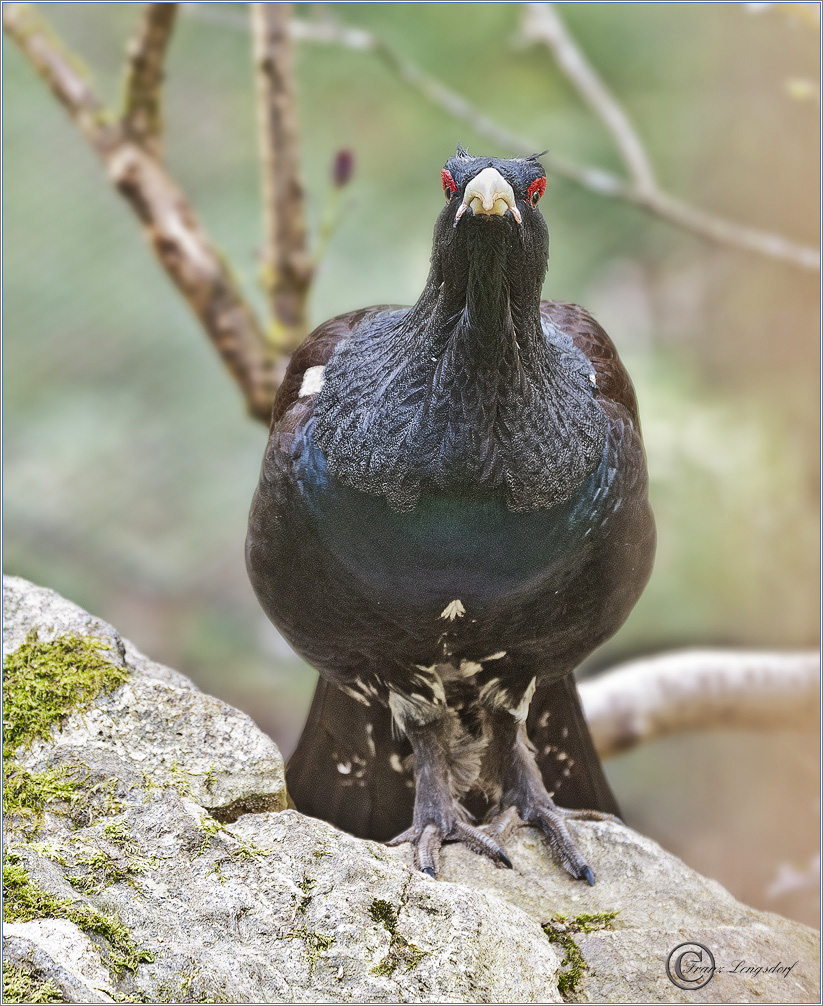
pixel 151 860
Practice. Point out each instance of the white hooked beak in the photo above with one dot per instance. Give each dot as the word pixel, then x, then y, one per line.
pixel 488 194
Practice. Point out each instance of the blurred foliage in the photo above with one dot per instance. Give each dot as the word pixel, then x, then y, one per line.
pixel 129 462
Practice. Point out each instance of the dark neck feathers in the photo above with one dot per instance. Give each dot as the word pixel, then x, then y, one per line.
pixel 463 392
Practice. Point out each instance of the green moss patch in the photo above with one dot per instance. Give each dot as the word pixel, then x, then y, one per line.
pixel 238 848
pixel 189 988
pixel 401 952
pixel 561 930
pixel 29 793
pixel 210 828
pixel 99 870
pixel 20 986
pixel 306 886
pixel 24 901
pixel 316 944
pixel 42 683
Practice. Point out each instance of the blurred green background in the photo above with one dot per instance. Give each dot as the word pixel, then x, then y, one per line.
pixel 129 463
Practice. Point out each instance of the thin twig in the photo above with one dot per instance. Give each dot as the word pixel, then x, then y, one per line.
pixel 144 75
pixel 701 690
pixel 605 183
pixel 197 269
pixel 168 221
pixel 288 269
pixel 63 73
pixel 541 23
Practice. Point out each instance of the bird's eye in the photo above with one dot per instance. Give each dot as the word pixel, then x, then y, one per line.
pixel 536 190
pixel 449 184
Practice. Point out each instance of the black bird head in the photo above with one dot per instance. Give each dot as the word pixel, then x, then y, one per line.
pixel 461 392
pixel 492 186
pixel 491 218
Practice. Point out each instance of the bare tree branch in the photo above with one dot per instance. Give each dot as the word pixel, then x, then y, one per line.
pixel 541 23
pixel 644 196
pixel 144 75
pixel 675 211
pixel 288 269
pixel 701 690
pixel 625 706
pixel 197 269
pixel 168 221
pixel 602 182
pixel 62 72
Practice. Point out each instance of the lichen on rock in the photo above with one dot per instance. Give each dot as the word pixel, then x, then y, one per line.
pixel 25 901
pixel 401 953
pixel 561 929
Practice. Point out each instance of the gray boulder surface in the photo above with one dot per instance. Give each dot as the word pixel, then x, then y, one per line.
pixel 161 863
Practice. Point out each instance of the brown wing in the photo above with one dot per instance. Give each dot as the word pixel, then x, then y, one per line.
pixel 315 351
pixel 613 384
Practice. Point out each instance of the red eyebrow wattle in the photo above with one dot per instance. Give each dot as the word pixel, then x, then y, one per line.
pixel 448 182
pixel 538 185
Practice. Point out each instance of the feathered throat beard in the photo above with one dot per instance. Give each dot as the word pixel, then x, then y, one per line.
pixel 462 393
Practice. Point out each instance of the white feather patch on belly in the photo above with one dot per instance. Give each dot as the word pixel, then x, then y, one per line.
pixel 312 382
pixel 521 711
pixel 454 609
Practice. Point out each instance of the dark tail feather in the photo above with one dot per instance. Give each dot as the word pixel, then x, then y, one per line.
pixel 345 767
pixel 565 752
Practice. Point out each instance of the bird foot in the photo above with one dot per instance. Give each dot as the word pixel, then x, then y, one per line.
pixel 551 820
pixel 428 840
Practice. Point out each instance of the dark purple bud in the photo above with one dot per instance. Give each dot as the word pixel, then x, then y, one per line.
pixel 342 168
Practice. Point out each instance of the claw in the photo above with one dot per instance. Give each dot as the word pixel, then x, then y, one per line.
pixel 427 844
pixel 480 842
pixel 427 850
pixel 552 822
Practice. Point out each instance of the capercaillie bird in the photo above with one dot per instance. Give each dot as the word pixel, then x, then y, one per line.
pixel 452 513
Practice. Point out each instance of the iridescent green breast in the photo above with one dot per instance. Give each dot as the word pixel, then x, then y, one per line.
pixel 450 545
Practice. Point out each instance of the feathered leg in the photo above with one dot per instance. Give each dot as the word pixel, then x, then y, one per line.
pixel 441 776
pixel 511 767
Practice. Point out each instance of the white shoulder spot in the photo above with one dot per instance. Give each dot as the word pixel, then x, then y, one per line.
pixel 312 382
pixel 454 609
